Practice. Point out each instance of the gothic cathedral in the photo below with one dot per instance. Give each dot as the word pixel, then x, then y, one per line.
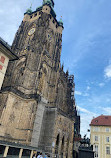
pixel 37 105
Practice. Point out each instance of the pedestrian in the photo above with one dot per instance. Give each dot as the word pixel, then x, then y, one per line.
pixel 40 156
pixel 34 156
pixel 45 156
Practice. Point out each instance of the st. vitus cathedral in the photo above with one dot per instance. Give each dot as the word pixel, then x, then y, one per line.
pixel 37 105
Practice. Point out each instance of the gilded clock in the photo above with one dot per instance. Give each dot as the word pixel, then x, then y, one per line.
pixel 32 30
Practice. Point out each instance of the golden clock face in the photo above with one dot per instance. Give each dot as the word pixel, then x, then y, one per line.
pixel 32 30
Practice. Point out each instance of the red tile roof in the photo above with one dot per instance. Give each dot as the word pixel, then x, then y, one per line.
pixel 103 120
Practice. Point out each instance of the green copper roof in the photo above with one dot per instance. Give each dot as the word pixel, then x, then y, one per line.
pixel 38 8
pixel 60 22
pixel 29 11
pixel 48 2
pixel 52 2
pixel 53 13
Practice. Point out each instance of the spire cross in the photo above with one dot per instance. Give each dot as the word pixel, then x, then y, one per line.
pixel 31 6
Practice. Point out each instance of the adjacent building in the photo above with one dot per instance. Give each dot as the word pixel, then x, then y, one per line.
pixel 101 136
pixel 6 54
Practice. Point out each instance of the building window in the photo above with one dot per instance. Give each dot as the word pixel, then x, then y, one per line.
pixel 107 129
pixel 1 67
pixel 35 14
pixel 2 59
pixel 96 150
pixel 107 139
pixel 96 138
pixel 96 129
pixel 108 150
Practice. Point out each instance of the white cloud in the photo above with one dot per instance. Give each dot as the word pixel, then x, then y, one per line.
pixel 105 110
pixel 86 117
pixel 82 94
pixel 107 72
pixel 101 84
pixel 88 88
pixel 108 100
pixel 86 111
pixel 78 93
pixel 83 110
pixel 9 23
pixel 85 94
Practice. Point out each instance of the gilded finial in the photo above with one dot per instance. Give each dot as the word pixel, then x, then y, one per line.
pixel 50 2
pixel 31 6
pixel 61 22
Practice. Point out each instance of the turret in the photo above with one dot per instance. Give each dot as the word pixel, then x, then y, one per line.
pixel 60 22
pixel 29 10
pixel 51 2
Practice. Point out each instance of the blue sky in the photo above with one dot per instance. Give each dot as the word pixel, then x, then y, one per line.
pixel 86 51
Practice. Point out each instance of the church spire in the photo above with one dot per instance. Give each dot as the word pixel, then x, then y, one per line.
pixel 61 22
pixel 29 10
pixel 51 2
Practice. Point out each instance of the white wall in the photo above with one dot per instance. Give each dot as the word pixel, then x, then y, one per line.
pixel 3 67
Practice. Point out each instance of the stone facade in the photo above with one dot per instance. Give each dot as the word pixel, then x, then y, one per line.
pixel 37 96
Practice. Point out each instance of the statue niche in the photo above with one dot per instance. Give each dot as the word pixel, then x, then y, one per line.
pixel 50 41
pixel 42 86
pixel 19 71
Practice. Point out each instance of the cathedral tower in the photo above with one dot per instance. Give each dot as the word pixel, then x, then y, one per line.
pixel 38 45
pixel 37 95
